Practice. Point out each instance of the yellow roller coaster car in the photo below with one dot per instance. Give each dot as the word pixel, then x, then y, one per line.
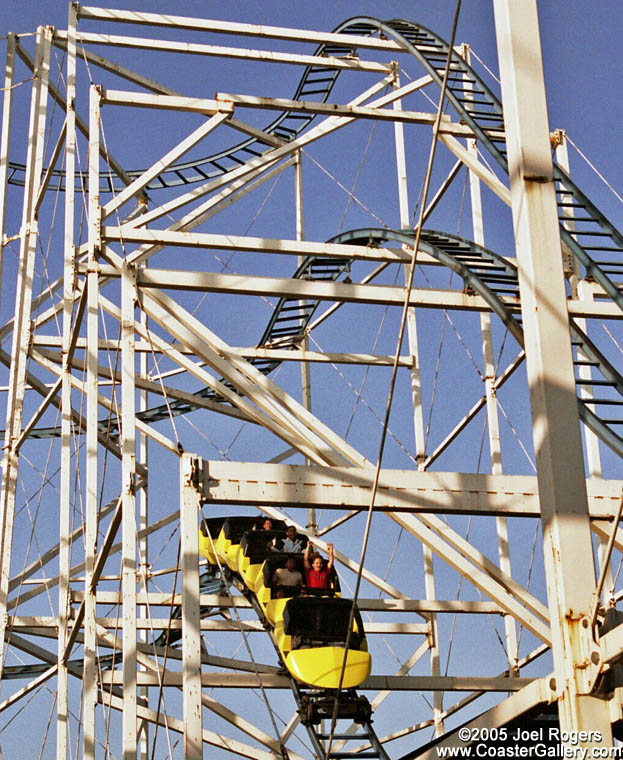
pixel 310 626
pixel 312 637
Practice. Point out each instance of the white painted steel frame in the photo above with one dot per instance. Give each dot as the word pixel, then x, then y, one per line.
pixel 409 498
pixel 23 300
pixel 568 551
pixel 65 537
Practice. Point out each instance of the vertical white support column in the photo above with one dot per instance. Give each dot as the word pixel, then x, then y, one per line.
pixel 569 562
pixel 128 529
pixel 143 546
pixel 89 682
pixel 21 322
pixel 405 223
pixel 64 556
pixel 312 526
pixel 493 426
pixel 7 107
pixel 191 631
pixel 583 290
pixel 418 414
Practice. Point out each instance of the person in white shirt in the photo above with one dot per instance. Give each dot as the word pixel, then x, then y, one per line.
pixel 286 578
pixel 292 543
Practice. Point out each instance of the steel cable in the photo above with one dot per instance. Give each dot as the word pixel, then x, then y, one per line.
pixel 408 286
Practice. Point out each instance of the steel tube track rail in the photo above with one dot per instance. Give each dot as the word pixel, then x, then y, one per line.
pixel 477 106
pixel 483 271
pixel 482 111
pixel 315 85
pixel 494 278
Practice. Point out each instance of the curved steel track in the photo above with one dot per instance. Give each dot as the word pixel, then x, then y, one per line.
pixel 495 279
pixel 588 236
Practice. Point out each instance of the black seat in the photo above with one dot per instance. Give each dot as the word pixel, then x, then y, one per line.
pixel 255 544
pixel 321 621
pixel 234 527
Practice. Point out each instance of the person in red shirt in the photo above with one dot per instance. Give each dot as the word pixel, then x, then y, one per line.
pixel 317 571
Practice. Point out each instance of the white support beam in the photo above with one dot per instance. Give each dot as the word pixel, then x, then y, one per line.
pixel 128 522
pixel 372 683
pixel 89 684
pixel 231 626
pixel 131 234
pixel 246 54
pixel 335 109
pixel 191 636
pixel 385 295
pixel 348 488
pixel 230 27
pixel 5 136
pixel 61 41
pixel 567 543
pixel 23 300
pixel 490 381
pixel 66 535
pixel 204 106
pixel 163 599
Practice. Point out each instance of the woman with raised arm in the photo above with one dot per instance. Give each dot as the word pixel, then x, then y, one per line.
pixel 317 570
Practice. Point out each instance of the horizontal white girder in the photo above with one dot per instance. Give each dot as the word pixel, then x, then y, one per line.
pixel 230 27
pixel 130 234
pixel 248 352
pixel 194 48
pixel 159 598
pixel 377 682
pixel 335 109
pixel 255 285
pixel 215 624
pixel 169 102
pixel 399 490
pixel 167 279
